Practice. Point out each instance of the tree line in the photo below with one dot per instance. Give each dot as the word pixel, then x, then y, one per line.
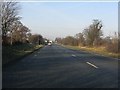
pixel 92 36
pixel 13 30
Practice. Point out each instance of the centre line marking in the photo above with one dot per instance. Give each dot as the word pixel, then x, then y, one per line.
pixel 73 55
pixel 35 55
pixel 92 64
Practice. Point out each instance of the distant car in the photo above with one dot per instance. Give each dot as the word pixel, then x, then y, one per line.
pixel 49 44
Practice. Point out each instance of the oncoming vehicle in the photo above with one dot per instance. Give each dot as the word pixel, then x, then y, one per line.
pixel 49 44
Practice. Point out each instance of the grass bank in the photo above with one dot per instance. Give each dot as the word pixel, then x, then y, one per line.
pixel 96 50
pixel 11 53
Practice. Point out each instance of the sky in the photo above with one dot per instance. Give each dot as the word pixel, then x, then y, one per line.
pixel 60 19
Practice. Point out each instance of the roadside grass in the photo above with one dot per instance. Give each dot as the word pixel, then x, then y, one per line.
pixel 10 53
pixel 96 50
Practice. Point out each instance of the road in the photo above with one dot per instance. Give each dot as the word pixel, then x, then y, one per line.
pixel 58 67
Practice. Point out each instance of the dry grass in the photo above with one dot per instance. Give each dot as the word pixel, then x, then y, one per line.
pixel 97 50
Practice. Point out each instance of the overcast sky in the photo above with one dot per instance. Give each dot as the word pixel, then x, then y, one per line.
pixel 59 19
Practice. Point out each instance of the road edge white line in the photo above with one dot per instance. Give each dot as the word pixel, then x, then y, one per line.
pixel 92 64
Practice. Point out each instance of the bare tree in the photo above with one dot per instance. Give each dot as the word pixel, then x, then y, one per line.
pixel 70 40
pixel 9 15
pixel 19 33
pixel 112 45
pixel 58 40
pixel 36 39
pixel 93 32
pixel 80 38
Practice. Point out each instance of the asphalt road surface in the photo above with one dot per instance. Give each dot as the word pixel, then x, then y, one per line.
pixel 58 67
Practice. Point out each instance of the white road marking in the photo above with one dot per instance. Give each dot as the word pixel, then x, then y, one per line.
pixel 35 55
pixel 92 64
pixel 73 55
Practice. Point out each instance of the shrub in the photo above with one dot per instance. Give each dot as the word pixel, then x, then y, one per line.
pixel 112 46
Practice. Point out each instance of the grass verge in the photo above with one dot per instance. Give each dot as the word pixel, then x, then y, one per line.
pixel 12 53
pixel 95 50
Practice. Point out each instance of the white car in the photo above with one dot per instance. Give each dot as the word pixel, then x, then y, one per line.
pixel 49 44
